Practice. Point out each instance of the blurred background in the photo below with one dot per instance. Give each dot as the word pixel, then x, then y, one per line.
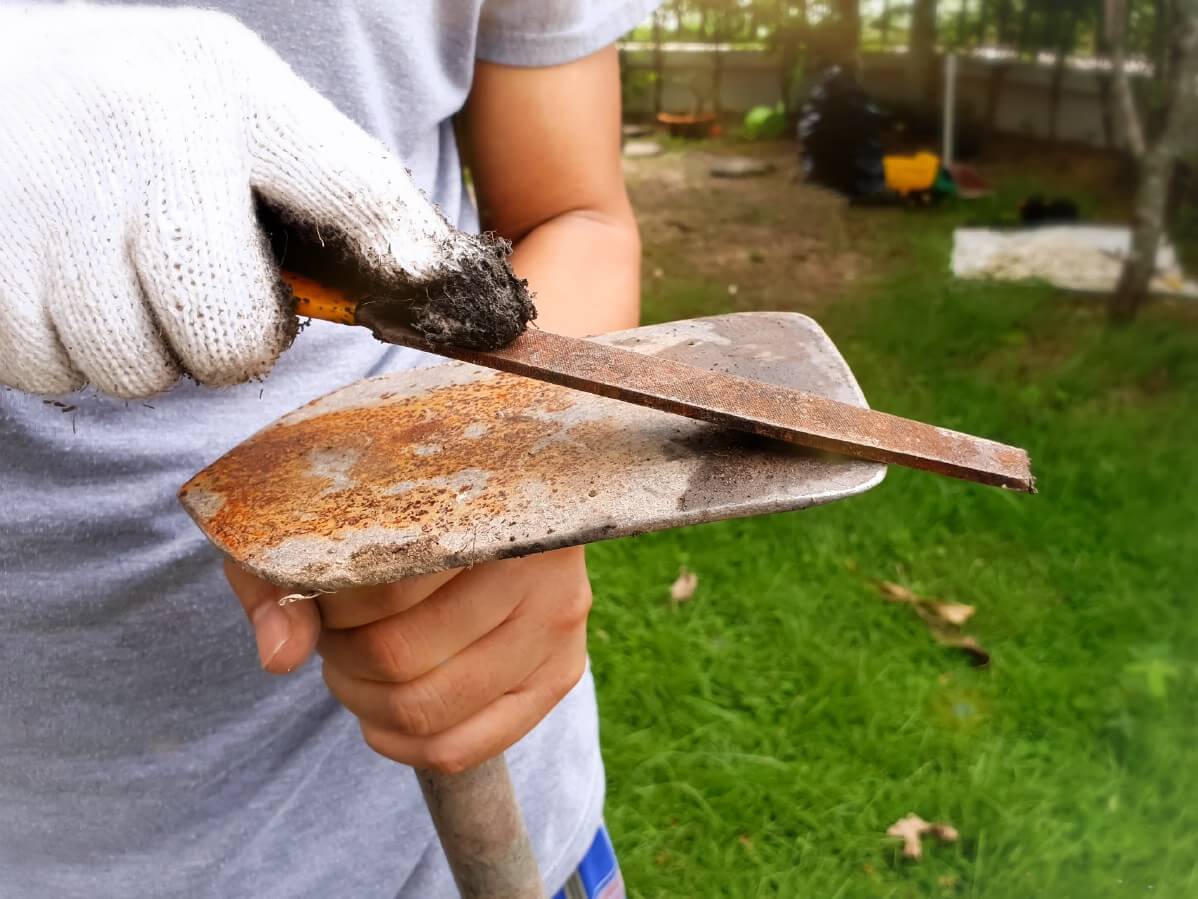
pixel 991 207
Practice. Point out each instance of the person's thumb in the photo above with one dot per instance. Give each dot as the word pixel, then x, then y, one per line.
pixel 345 198
pixel 325 174
pixel 286 633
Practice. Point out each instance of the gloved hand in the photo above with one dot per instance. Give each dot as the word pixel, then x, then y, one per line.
pixel 132 144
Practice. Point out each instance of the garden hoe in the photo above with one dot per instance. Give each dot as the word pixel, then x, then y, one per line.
pixel 456 464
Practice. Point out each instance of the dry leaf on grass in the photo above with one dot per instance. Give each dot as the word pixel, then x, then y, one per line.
pixel 946 633
pixel 944 620
pixel 912 829
pixel 978 655
pixel 955 613
pixel 896 592
pixel 684 587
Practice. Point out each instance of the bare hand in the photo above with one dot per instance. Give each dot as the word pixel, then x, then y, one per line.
pixel 444 670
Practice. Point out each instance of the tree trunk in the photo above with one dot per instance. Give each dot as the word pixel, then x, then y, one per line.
pixel 1135 281
pixel 921 54
pixel 1063 28
pixel 1054 94
pixel 1162 48
pixel 658 64
pixel 786 63
pixel 985 7
pixel 1105 100
pixel 1115 32
pixel 1004 23
pixel 1157 165
pixel 994 91
pixel 718 32
pixel 1106 92
pixel 849 12
pixel 788 55
pixel 1024 42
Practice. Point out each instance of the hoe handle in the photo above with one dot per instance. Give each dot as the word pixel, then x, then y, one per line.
pixel 482 832
pixel 316 300
pixel 475 812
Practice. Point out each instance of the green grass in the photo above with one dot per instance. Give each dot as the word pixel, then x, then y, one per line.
pixel 760 738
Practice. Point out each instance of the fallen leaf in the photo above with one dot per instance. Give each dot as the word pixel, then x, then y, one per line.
pixel 684 587
pixel 944 620
pixel 956 613
pixel 978 655
pixel 913 828
pixel 953 612
pixel 945 833
pixel 896 592
pixel 910 830
pixel 952 636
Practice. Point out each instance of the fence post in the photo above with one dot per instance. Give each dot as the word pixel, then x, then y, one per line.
pixel 950 109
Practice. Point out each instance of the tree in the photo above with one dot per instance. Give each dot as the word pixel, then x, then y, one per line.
pixel 787 37
pixel 921 53
pixel 659 65
pixel 1006 15
pixel 1062 32
pixel 849 14
pixel 1156 157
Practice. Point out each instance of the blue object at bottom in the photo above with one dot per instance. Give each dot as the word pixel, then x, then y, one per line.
pixel 598 874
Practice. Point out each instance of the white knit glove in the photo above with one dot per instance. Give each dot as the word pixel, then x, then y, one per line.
pixel 132 143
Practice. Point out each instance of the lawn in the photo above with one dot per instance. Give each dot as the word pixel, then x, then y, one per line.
pixel 761 737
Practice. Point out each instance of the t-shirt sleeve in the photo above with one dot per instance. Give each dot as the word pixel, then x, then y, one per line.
pixel 552 32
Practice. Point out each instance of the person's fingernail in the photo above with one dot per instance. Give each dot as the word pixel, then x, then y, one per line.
pixel 272 628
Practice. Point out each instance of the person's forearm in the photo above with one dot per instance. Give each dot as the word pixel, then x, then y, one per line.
pixel 584 268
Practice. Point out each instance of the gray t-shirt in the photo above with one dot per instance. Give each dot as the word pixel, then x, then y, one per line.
pixel 142 750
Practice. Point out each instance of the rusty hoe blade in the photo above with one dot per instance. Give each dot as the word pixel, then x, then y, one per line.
pixel 730 401
pixel 450 465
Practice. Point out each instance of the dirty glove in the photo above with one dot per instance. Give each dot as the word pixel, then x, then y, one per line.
pixel 132 144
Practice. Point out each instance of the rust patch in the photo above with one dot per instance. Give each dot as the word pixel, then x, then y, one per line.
pixel 351 495
pixel 373 468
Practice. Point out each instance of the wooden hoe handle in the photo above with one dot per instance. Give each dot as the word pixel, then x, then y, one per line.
pixel 475 812
pixel 315 300
pixel 482 832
